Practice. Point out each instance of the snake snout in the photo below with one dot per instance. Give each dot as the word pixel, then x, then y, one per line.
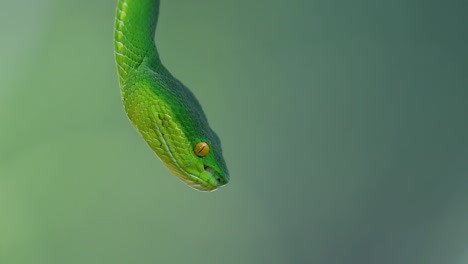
pixel 216 178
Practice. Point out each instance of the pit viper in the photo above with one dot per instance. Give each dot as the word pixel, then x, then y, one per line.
pixel 162 109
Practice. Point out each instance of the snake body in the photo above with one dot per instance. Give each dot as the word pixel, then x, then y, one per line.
pixel 164 111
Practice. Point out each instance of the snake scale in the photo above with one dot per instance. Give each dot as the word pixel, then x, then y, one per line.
pixel 163 110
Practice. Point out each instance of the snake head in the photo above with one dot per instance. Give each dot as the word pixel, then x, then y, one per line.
pixel 206 170
pixel 172 122
pixel 191 151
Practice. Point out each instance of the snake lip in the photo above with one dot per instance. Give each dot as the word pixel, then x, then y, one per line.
pixel 197 182
pixel 217 180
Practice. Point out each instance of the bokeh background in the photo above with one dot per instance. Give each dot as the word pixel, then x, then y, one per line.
pixel 344 125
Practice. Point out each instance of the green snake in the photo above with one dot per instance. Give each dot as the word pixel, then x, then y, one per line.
pixel 164 111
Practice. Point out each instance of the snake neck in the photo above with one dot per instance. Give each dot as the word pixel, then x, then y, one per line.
pixel 134 31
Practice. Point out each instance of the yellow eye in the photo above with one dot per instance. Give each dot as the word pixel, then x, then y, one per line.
pixel 201 149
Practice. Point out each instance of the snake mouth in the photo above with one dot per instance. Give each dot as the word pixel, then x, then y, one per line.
pixel 214 175
pixel 208 180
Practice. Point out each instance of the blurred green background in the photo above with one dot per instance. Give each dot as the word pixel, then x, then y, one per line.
pixel 344 126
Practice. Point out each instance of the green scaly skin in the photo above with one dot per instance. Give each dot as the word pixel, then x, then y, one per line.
pixel 162 109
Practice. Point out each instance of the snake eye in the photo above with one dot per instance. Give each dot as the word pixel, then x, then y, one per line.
pixel 201 149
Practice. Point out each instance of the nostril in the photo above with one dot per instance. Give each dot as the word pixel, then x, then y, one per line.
pixel 218 180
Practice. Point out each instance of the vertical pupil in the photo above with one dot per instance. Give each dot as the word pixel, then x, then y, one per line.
pixel 201 149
